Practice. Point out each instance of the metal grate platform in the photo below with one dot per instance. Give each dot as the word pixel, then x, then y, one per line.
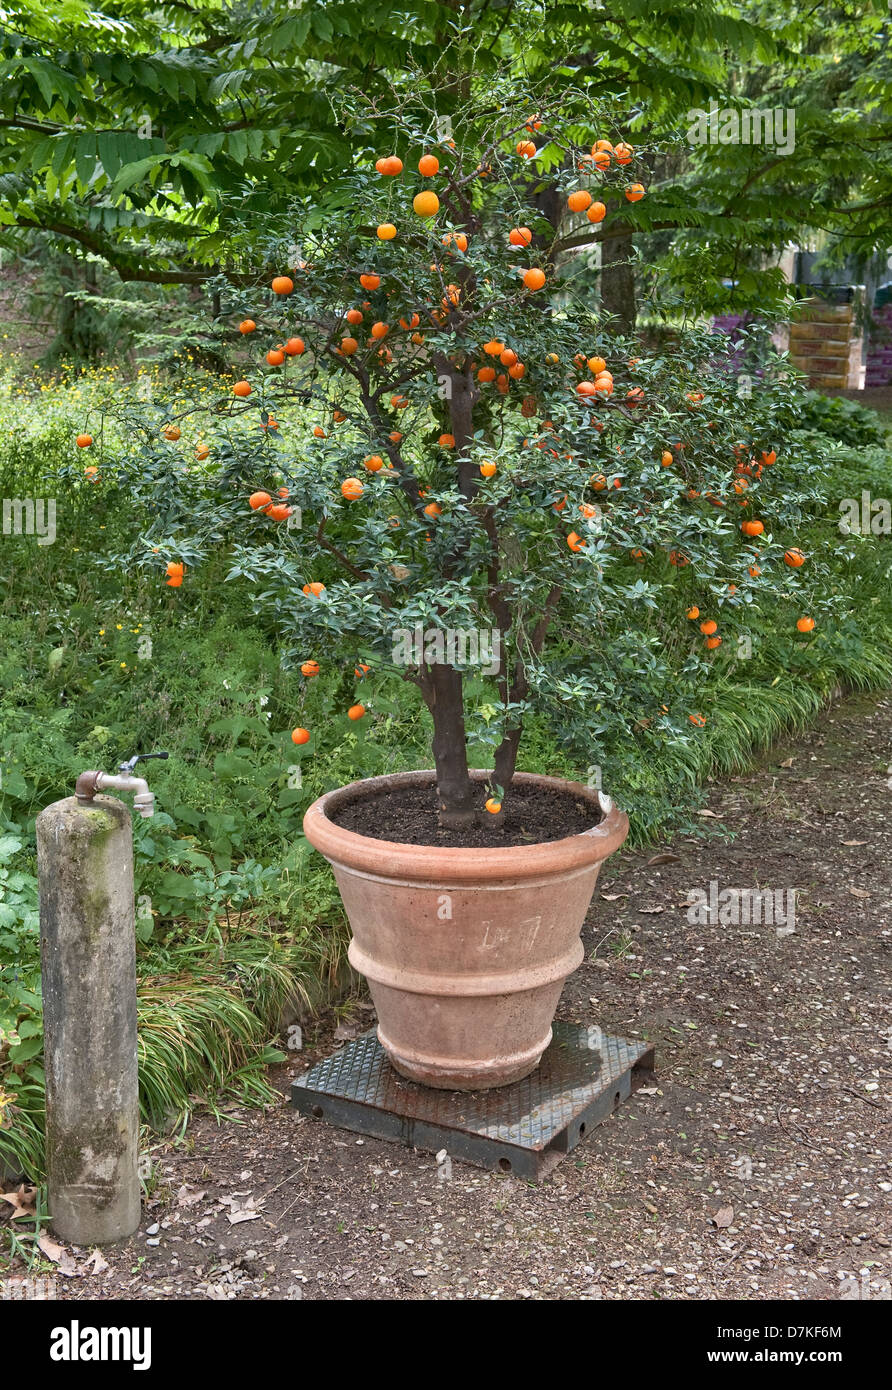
pixel 524 1129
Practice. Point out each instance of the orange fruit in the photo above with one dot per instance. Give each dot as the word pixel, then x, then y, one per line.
pixel 433 509
pixel 295 346
pixel 635 192
pixel 752 528
pixel 709 627
pixel 247 326
pixel 241 388
pixel 300 735
pixel 794 558
pixel 597 212
pixel 426 203
pixel 769 458
pixel 399 402
pixel 693 613
pixel 389 164
pixel 370 281
pixel 534 278
pixel 354 316
pixel 386 231
pixel 601 159
pixel 84 441
pixel 352 488
pixel 202 451
pixel 395 436
pixel 637 554
pixel 666 459
pixel 278 512
pixel 314 588
pixel 282 284
pixel 275 357
pixel 586 388
pixel 348 347
pixel 310 669
pixel 493 348
pixel 488 469
pixel 318 432
pixel 755 571
pixel 361 671
pixel 697 719
pixel 486 373
pixel 258 500
pixel 413 322
pixel 520 236
pixel 356 711
pixel 575 542
pixel 373 463
pixel 457 238
pixel 713 642
pixel 492 806
pixel 446 441
pixel 428 165
pixel 526 149
pixel 380 330
pixel 507 357
pixel 92 474
pixel 175 570
pixel 596 365
pixel 805 624
pixel 623 153
pixel 579 201
pixel 517 372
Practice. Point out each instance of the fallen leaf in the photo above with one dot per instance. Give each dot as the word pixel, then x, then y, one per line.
pixel 23 1200
pixel 49 1247
pixel 188 1196
pixel 788 762
pixel 723 1217
pixel 711 814
pixel 613 897
pixel 664 859
pixel 98 1261
pixel 650 911
pixel 852 843
pixel 859 892
pixel 345 1032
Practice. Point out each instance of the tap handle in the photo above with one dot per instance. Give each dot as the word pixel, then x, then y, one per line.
pixel 129 766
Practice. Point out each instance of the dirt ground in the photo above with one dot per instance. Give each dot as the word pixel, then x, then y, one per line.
pixel 754 1167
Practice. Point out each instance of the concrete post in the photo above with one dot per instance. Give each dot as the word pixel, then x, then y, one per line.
pixel 88 962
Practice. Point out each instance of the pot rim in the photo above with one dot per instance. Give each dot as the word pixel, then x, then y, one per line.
pixel 460 864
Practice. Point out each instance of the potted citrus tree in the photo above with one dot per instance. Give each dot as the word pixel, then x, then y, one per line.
pixel 434 461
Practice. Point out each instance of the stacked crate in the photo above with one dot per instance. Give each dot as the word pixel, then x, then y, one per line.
pixel 826 344
pixel 879 354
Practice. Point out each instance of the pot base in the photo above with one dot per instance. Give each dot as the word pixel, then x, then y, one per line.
pixel 465 1076
pixel 524 1129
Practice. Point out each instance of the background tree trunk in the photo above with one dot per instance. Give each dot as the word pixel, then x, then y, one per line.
pixel 617 284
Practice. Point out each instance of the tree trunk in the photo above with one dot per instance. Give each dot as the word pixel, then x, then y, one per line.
pixel 617 285
pixel 441 687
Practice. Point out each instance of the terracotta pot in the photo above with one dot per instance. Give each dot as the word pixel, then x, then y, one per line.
pixel 465 950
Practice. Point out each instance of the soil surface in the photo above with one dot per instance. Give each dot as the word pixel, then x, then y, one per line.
pixel 754 1166
pixel 409 817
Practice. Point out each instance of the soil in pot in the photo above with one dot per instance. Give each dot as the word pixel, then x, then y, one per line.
pixel 408 816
